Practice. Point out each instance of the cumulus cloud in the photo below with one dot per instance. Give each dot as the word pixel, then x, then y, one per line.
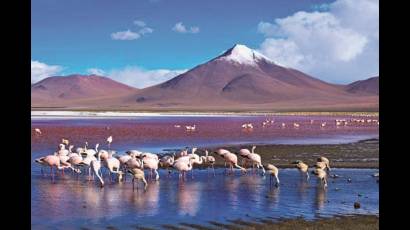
pixel 131 35
pixel 125 35
pixel 96 71
pixel 40 70
pixel 141 78
pixel 339 45
pixel 139 23
pixel 181 28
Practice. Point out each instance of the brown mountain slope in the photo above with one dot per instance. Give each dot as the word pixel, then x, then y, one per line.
pixel 369 86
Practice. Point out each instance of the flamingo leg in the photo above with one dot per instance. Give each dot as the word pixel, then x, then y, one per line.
pixel 132 184
pixel 213 169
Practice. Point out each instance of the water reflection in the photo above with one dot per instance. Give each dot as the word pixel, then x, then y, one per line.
pixel 72 202
pixel 189 194
pixel 320 198
pixel 146 202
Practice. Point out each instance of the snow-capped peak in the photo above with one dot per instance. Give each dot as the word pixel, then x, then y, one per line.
pixel 243 55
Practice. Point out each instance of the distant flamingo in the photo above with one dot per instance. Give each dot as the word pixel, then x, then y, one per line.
pixel 296 125
pixel 283 125
pixel 190 127
pixel 323 124
pixel 109 140
pixel 38 131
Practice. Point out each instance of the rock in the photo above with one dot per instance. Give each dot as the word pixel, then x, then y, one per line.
pixel 356 205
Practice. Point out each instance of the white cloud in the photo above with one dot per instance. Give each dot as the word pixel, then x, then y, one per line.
pixel 40 70
pixel 181 28
pixel 340 45
pixel 96 71
pixel 141 78
pixel 140 23
pixel 125 35
pixel 145 30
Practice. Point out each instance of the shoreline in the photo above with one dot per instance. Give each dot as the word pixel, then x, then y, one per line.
pixel 341 222
pixel 116 114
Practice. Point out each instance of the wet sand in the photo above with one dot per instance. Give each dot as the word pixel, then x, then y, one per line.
pixel 357 222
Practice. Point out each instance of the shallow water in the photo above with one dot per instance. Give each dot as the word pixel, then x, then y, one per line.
pixel 158 133
pixel 68 202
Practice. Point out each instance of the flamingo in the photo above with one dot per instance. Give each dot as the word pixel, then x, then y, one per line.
pixel 325 160
pixel 197 159
pixel 182 153
pixel 230 158
pixel 321 174
pixel 273 172
pixel 38 131
pixel 296 125
pixel 183 166
pixel 283 125
pixel 209 161
pixel 65 141
pixel 167 161
pixel 109 140
pixel 80 150
pixel 252 157
pixel 323 124
pixel 190 127
pixel 139 175
pixel 96 167
pixel 113 163
pixel 134 153
pixel 62 150
pixel 52 161
pixel 302 167
pixel 152 164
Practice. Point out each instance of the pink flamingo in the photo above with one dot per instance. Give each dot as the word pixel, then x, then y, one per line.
pixel 209 161
pixel 183 166
pixel 95 165
pixel 230 158
pixel 152 164
pixel 253 157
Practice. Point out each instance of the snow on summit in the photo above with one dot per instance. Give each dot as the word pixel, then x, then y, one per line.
pixel 242 54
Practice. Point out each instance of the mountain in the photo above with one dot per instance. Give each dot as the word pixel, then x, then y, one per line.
pixel 243 78
pixel 68 90
pixel 240 79
pixel 368 86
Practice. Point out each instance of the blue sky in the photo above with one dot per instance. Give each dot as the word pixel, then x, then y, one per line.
pixel 79 36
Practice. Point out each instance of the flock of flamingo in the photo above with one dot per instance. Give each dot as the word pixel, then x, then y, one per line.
pixel 134 162
pixel 270 121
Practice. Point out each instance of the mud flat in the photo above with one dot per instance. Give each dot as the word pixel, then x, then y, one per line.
pixel 361 154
